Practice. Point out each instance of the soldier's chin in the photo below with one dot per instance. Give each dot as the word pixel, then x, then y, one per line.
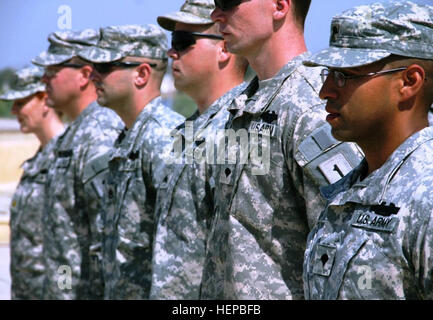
pixel 341 135
pixel 25 129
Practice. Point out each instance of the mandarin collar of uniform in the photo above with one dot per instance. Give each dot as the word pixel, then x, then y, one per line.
pixel 201 120
pixel 87 111
pixel 380 178
pixel 132 133
pixel 221 103
pixel 41 159
pixel 271 86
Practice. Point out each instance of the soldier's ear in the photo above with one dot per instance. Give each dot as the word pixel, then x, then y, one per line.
pixel 223 54
pixel 143 74
pixel 281 9
pixel 412 80
pixel 85 73
pixel 42 96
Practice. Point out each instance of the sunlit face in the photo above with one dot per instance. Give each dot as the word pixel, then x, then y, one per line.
pixel 364 109
pixel 30 112
pixel 245 27
pixel 62 86
pixel 114 87
pixel 192 66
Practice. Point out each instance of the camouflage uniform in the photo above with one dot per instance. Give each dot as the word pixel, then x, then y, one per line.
pixel 184 206
pixel 136 169
pixel 27 265
pixel 71 201
pixel 183 203
pixel 26 82
pixel 192 12
pixel 374 239
pixel 264 208
pixel 72 204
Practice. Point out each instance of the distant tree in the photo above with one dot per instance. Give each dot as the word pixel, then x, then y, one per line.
pixel 6 78
pixel 183 104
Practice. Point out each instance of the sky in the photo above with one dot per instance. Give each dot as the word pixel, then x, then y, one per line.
pixel 25 24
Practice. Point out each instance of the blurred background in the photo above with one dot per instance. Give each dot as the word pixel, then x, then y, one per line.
pixel 24 27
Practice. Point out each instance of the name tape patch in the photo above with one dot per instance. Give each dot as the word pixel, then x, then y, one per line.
pixel 263 128
pixel 374 222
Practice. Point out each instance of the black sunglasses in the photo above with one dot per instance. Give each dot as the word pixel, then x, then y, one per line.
pixel 107 67
pixel 181 40
pixel 225 5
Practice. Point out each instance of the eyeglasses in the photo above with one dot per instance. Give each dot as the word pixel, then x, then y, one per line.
pixel 107 67
pixel 225 5
pixel 51 71
pixel 181 40
pixel 340 78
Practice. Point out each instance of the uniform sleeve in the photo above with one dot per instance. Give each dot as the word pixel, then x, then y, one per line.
pixel 421 247
pixel 93 169
pixel 317 159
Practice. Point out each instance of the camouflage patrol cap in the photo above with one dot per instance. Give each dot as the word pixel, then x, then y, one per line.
pixel 27 81
pixel 64 45
pixel 369 33
pixel 191 12
pixel 117 42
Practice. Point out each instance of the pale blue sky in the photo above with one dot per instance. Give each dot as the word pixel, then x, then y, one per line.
pixel 25 24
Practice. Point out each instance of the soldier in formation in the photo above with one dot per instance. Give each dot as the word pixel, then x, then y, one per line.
pixel 71 200
pixel 34 116
pixel 129 65
pixel 375 237
pixel 208 73
pixel 302 183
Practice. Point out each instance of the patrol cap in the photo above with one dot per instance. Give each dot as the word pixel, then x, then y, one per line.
pixel 191 12
pixel 117 42
pixel 27 81
pixel 64 45
pixel 368 33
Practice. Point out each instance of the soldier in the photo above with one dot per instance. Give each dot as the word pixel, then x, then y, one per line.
pixel 375 237
pixel 203 69
pixel 71 197
pixel 265 206
pixel 34 116
pixel 130 62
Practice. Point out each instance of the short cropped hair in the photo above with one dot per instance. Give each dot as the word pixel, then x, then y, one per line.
pixel 300 11
pixel 398 61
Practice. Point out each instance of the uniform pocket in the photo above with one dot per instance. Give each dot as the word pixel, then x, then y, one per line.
pixel 333 263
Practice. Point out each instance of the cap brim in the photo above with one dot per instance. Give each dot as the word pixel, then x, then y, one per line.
pixel 168 21
pixel 46 59
pixel 99 55
pixel 335 57
pixel 12 95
